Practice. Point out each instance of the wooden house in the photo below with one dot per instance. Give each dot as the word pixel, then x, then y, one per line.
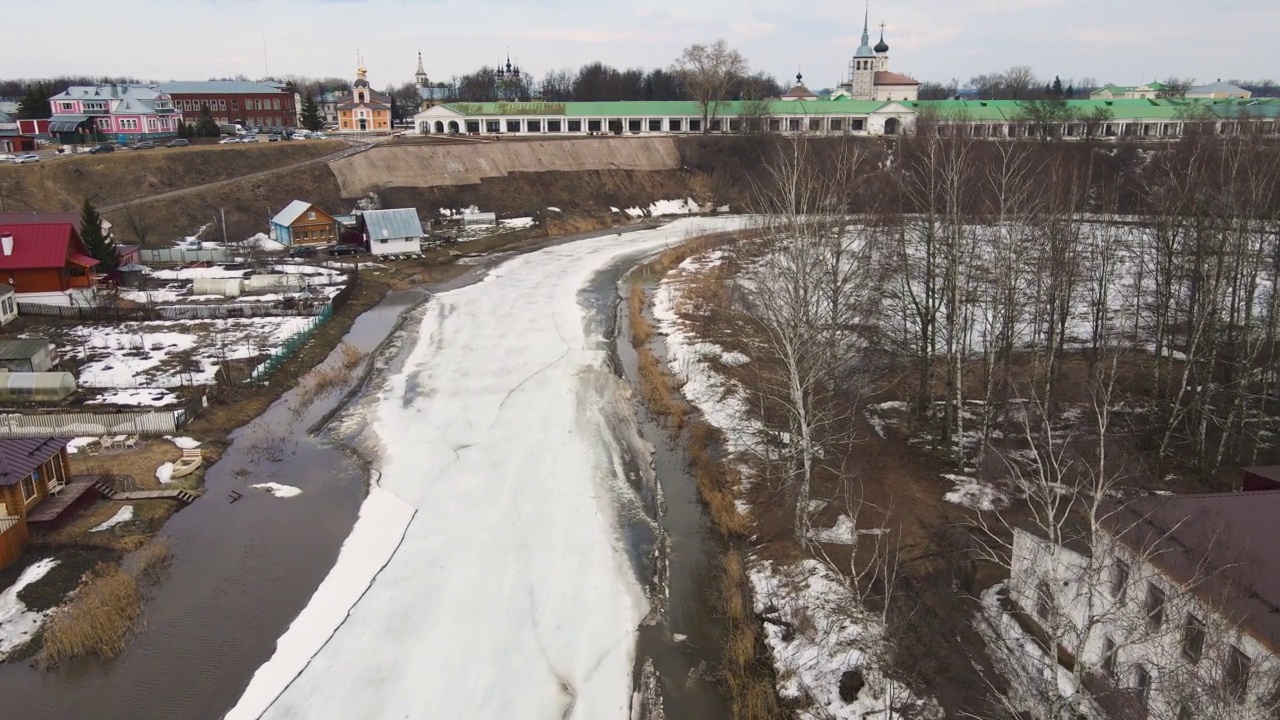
pixel 301 223
pixel 31 469
pixel 47 263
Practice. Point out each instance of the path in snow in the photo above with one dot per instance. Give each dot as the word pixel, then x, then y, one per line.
pixel 509 595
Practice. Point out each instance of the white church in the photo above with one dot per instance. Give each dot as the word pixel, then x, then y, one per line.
pixel 869 75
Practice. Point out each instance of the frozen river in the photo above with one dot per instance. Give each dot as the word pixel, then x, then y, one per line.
pixel 487 576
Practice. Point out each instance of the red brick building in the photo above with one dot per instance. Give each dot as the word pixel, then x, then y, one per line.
pixel 235 101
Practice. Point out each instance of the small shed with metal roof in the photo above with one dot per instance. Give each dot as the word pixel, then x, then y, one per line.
pixel 27 355
pixel 392 232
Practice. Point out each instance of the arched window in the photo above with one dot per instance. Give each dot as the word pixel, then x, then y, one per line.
pixel 1044 601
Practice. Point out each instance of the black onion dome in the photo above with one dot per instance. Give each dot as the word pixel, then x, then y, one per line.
pixel 882 46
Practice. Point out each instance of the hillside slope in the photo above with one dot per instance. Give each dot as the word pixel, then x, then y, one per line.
pixel 62 184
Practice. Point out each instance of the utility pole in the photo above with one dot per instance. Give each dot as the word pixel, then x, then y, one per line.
pixel 223 212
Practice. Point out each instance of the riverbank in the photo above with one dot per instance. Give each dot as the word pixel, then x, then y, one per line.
pixel 744 671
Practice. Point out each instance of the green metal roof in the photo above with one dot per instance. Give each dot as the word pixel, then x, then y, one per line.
pixel 662 108
pixel 977 110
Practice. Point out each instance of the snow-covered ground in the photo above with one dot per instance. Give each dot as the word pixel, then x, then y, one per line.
pixel 149 397
pixel 509 595
pixel 17 623
pixel 170 353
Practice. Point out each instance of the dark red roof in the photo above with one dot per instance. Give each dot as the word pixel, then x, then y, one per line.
pixel 884 77
pixel 20 456
pixel 1220 544
pixel 41 246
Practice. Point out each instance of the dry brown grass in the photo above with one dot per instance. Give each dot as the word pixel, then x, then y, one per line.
pixel 747 677
pixel 641 328
pixel 97 621
pixel 103 612
pixel 328 379
pixel 717 482
pixel 660 391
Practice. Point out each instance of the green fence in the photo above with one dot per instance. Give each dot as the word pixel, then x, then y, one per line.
pixel 286 351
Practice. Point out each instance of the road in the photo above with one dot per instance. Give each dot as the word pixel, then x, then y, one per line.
pixel 487 576
pixel 352 148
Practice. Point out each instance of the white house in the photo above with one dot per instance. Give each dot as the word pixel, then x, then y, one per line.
pixel 1218 91
pixel 1173 612
pixel 392 232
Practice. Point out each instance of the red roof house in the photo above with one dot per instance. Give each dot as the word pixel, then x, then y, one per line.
pixel 45 261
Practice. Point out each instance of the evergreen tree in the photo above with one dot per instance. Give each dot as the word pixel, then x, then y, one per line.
pixel 99 246
pixel 1057 86
pixel 208 126
pixel 35 103
pixel 1071 91
pixel 310 118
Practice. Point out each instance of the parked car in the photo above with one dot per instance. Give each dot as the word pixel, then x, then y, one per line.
pixel 303 251
pixel 177 142
pixel 24 159
pixel 249 139
pixel 231 139
pixel 103 148
pixel 319 136
pixel 338 250
pixel 273 137
pixel 144 145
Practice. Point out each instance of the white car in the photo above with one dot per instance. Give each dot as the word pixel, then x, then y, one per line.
pixel 24 159
pixel 231 139
pixel 319 136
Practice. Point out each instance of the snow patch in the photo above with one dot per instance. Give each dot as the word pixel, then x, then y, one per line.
pixel 164 473
pixel 17 624
pixel 971 493
pixel 280 491
pixel 74 445
pixel 663 208
pixel 516 223
pixel 123 515
pixel 184 443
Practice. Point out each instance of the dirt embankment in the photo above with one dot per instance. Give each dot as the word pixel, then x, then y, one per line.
pixel 585 177
pixel 62 184
pixel 456 164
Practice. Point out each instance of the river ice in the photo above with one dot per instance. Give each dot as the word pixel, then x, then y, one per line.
pixel 509 595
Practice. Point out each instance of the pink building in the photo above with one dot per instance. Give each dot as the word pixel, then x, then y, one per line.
pixel 120 113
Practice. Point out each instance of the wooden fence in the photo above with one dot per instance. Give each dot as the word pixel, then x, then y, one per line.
pixel 80 424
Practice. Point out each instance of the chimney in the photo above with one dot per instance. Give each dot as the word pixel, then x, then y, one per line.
pixel 6 244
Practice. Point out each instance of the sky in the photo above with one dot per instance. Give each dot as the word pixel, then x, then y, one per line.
pixel 1116 41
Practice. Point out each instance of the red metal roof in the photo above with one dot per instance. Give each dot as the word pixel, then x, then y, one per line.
pixel 40 246
pixel 884 77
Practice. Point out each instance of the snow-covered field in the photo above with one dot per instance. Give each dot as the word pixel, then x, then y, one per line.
pixel 171 353
pixel 508 594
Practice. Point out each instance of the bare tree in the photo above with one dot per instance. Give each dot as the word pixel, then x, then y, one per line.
pixel 708 73
pixel 805 297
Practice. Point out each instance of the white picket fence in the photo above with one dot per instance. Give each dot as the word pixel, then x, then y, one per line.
pixel 83 424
